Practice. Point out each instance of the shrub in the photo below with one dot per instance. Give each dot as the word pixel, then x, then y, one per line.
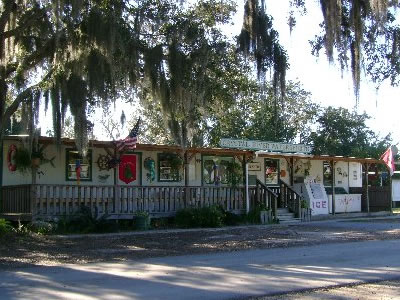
pixel 211 216
pixel 85 222
pixel 5 227
pixel 43 227
pixel 253 216
pixel 232 219
pixel 162 223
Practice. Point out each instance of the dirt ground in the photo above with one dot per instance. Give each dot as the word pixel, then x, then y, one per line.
pixel 30 250
pixel 384 290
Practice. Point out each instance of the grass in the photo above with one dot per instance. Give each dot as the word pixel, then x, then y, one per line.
pixel 396 210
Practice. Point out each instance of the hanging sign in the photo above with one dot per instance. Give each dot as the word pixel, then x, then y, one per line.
pixel 255 166
pixel 265 145
pixel 127 168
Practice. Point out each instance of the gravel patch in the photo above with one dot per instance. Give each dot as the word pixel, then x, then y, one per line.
pixel 384 290
pixel 32 250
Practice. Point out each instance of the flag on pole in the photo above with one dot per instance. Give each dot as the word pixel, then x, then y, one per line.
pixel 130 141
pixel 387 157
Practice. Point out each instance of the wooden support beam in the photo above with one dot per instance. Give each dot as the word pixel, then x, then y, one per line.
pixel 367 183
pixel 333 186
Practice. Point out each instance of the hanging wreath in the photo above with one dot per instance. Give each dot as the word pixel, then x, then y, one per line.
pixel 11 163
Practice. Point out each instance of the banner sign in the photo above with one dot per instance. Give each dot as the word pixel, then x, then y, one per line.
pixel 127 168
pixel 265 145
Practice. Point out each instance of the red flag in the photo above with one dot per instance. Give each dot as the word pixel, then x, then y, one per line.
pixel 387 157
pixel 127 168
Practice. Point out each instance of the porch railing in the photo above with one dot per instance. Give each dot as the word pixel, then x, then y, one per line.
pixel 46 201
pixel 15 199
pixel 265 196
pixel 290 199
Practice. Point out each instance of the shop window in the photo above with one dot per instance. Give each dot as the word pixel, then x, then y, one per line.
pixel 75 160
pixel 327 173
pixel 215 169
pixel 271 171
pixel 170 167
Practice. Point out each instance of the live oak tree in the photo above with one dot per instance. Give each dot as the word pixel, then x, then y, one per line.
pixel 342 132
pixel 364 34
pixel 75 54
pixel 85 54
pixel 257 115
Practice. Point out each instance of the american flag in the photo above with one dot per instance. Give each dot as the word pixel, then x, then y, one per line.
pixel 130 141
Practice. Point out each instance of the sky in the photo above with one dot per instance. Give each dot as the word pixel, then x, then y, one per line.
pixel 329 87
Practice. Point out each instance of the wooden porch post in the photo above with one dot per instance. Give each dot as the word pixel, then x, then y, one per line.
pixel 247 186
pixel 391 193
pixel 116 189
pixel 291 160
pixel 186 166
pixel 32 194
pixel 367 183
pixel 333 187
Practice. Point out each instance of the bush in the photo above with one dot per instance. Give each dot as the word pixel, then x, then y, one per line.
pixel 43 227
pixel 253 216
pixel 84 222
pixel 232 219
pixel 162 223
pixel 5 227
pixel 211 216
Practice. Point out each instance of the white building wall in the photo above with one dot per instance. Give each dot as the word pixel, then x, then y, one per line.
pixel 355 174
pixel 315 172
pixel 57 175
pixel 342 175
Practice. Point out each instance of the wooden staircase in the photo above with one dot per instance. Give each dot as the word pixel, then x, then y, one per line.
pixel 286 217
pixel 290 210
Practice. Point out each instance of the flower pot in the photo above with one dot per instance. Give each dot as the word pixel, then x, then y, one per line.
pixel 35 162
pixel 305 214
pixel 265 216
pixel 142 222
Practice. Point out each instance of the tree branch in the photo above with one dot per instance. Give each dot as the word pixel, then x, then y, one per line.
pixel 37 15
pixel 12 108
pixel 8 5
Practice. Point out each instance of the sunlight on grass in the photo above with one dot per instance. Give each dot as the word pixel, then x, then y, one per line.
pixel 396 210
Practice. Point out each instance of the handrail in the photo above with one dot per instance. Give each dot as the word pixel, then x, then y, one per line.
pixel 267 196
pixel 281 182
pixel 290 198
pixel 258 182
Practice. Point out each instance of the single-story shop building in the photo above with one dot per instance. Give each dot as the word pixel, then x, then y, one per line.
pixel 54 180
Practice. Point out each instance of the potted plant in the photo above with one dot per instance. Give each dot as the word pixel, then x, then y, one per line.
pixel 142 220
pixel 305 211
pixel 37 157
pixel 265 214
pixel 23 160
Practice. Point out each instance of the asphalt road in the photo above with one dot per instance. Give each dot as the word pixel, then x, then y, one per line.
pixel 213 276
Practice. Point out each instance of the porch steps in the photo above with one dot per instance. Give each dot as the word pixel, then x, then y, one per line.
pixel 286 217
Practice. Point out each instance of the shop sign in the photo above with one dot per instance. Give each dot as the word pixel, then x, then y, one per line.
pixel 254 166
pixel 265 145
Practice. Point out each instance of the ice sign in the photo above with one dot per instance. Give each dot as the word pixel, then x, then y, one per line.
pixel 316 191
pixel 318 198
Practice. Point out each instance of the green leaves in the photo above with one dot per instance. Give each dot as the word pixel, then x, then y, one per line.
pixel 345 133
